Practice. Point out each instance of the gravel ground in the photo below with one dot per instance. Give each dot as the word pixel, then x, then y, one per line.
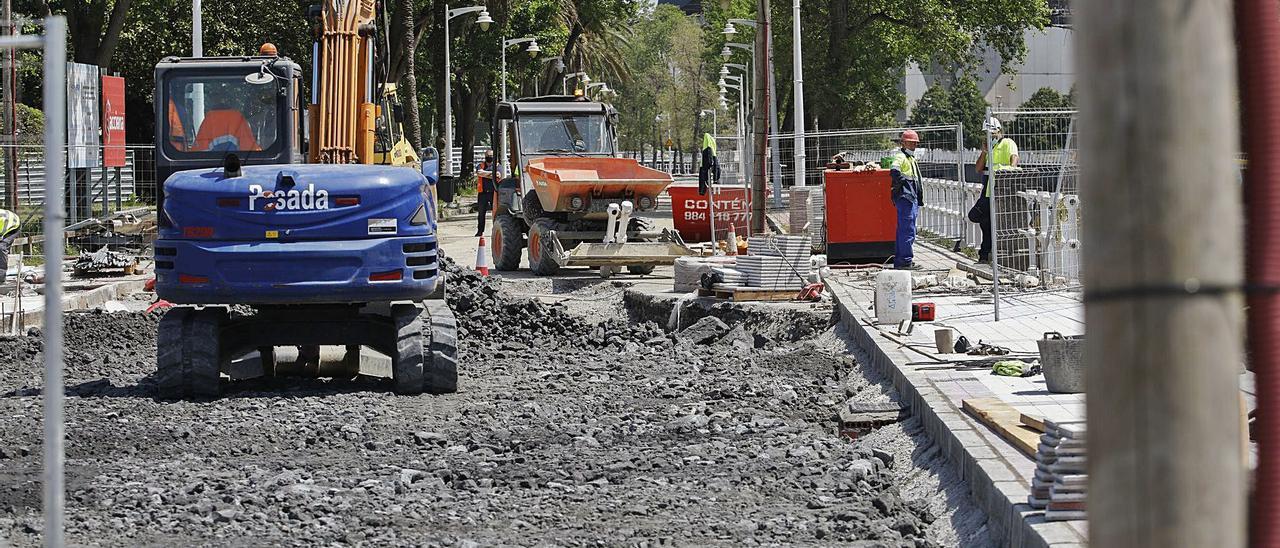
pixel 567 430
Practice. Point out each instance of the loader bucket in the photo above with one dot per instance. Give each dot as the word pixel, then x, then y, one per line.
pixel 663 251
pixel 558 180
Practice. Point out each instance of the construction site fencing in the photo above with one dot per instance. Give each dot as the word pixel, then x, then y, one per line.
pixel 1035 207
pixel 950 188
pixel 96 192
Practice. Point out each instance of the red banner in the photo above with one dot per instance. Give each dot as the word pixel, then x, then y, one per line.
pixel 113 121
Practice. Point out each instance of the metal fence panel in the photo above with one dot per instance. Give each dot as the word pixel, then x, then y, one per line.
pixel 1036 207
pixel 108 189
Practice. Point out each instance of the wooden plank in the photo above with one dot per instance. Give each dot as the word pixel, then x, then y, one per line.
pixel 747 294
pixel 1036 423
pixel 1006 421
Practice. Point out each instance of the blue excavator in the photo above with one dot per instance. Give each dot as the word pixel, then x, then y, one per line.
pixel 291 223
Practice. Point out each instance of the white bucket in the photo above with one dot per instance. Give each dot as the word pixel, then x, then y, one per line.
pixel 893 296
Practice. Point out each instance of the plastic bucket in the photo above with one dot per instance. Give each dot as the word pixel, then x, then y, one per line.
pixel 1060 357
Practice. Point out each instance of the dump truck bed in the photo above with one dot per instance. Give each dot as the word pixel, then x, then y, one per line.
pixel 596 180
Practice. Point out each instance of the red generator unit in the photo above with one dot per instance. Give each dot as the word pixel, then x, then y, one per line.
pixel 861 219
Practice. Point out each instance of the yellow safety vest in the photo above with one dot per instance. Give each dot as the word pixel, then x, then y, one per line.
pixel 905 164
pixel 8 222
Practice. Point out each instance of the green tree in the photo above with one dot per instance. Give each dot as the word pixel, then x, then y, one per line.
pixel 962 103
pixel 968 106
pixel 1042 131
pixel 856 51
pixel 933 108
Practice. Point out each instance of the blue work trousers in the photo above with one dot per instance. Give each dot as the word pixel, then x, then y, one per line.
pixel 908 210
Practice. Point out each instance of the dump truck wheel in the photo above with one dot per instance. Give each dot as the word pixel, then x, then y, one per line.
pixel 541 251
pixel 441 377
pixel 508 241
pixel 531 208
pixel 413 349
pixel 188 353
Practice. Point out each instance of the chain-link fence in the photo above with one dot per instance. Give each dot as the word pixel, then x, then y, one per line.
pixel 1035 205
pixel 948 191
pixel 91 192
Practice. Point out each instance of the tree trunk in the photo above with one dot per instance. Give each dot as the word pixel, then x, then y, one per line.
pixel 828 114
pixel 570 49
pixel 412 122
pixel 468 113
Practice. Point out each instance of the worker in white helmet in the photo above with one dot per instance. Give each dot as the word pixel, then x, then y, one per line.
pixel 1004 155
pixel 8 233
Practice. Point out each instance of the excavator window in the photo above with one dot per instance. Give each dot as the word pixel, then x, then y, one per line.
pixel 221 114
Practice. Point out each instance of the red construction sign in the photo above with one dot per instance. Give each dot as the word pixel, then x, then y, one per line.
pixel 113 121
pixel 689 211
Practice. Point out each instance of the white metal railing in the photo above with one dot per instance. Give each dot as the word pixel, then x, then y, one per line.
pixel 946 209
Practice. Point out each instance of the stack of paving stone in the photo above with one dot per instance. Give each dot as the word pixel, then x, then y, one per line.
pixel 818 219
pixel 689 271
pixel 772 262
pixel 798 210
pixel 1060 484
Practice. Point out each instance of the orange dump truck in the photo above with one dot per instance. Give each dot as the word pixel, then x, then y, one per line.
pixel 568 198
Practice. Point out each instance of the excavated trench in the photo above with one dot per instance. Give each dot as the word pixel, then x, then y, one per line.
pixel 577 424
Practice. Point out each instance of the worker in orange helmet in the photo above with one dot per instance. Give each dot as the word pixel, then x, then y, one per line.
pixel 908 197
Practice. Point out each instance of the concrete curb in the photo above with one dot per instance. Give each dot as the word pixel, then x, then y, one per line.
pixel 994 485
pixel 84 300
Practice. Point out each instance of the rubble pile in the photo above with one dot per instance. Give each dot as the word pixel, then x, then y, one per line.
pixel 566 430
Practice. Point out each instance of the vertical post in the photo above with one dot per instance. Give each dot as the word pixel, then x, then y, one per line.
pixel 760 117
pixel 958 195
pixel 1163 273
pixel 503 43
pixel 55 113
pixel 990 191
pixel 774 145
pixel 797 91
pixel 448 101
pixel 10 114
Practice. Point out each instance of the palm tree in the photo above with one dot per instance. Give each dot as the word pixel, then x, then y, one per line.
pixel 599 31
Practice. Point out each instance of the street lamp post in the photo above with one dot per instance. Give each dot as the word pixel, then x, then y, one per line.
pixel 797 92
pixel 742 140
pixel 586 90
pixel 745 153
pixel 564 83
pixel 711 184
pixel 532 50
pixel 558 67
pixel 484 21
pixel 714 129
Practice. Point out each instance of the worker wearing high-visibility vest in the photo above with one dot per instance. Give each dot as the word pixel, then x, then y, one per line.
pixel 908 197
pixel 1004 155
pixel 709 171
pixel 8 233
pixel 486 185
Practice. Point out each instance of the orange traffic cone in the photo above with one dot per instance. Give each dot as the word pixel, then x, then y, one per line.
pixel 482 259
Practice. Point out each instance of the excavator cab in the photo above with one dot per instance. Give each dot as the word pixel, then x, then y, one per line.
pixel 209 107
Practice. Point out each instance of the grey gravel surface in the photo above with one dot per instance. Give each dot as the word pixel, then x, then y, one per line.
pixel 567 430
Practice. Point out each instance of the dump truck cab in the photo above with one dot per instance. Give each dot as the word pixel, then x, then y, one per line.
pixel 556 126
pixel 567 196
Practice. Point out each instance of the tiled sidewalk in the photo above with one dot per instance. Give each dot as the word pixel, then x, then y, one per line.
pixel 935 386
